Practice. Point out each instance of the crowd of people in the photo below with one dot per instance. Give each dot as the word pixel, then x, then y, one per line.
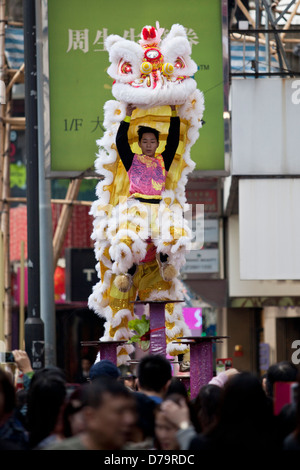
pixel 153 411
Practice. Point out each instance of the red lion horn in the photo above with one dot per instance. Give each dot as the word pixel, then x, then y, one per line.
pixel 149 33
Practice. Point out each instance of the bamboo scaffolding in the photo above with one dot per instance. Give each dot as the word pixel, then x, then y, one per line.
pixel 248 16
pixel 16 121
pixel 289 21
pixel 1 289
pixel 261 37
pixel 5 232
pixel 2 78
pixel 64 220
pixel 15 79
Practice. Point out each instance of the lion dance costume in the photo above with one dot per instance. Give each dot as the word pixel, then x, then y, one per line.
pixel 134 226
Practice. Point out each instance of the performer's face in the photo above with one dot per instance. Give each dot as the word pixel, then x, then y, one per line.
pixel 148 144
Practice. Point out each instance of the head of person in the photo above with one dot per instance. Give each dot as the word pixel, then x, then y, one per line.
pixel 104 369
pixel 143 429
pixel 177 387
pixel 45 400
pixel 109 412
pixel 73 414
pixel 148 140
pixel 86 364
pixel 7 395
pixel 165 431
pixel 154 375
pixel 129 379
pixel 283 371
pixel 207 405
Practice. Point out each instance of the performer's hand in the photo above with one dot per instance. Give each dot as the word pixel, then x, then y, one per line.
pixel 173 107
pixel 130 107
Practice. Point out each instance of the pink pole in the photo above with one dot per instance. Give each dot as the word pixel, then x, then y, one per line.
pixel 201 366
pixel 157 328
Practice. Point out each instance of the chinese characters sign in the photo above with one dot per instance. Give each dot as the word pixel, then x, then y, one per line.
pixel 79 84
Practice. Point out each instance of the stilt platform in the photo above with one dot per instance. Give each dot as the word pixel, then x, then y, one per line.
pixel 107 349
pixel 201 360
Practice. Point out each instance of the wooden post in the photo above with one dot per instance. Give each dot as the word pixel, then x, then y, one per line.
pixel 64 220
pixel 1 289
pixel 5 231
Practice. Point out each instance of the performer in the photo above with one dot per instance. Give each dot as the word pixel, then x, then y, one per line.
pixel 147 175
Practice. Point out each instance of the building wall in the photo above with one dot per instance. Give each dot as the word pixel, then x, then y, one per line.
pixel 279 332
pixel 240 324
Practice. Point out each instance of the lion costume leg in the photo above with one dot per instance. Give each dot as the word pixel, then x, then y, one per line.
pixel 118 313
pixel 172 240
pixel 128 232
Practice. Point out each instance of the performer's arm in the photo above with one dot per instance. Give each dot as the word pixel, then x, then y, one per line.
pixel 172 140
pixel 122 143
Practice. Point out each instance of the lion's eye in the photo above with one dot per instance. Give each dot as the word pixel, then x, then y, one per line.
pixel 125 68
pixel 179 64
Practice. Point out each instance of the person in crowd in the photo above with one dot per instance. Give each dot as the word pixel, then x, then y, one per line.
pixel 142 433
pixel 292 440
pixel 13 435
pixel 245 420
pixel 284 422
pixel 206 407
pixel 45 402
pixel 178 387
pixel 129 380
pixel 73 413
pixel 104 369
pixel 166 429
pixel 85 366
pixel 154 376
pixel 284 371
pixel 109 414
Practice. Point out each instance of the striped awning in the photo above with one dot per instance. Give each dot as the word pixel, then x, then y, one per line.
pixel 14 47
pixel 242 55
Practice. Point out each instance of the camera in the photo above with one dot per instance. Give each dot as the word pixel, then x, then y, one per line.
pixel 7 357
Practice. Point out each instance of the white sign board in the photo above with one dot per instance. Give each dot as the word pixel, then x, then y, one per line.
pixel 202 261
pixel 269 228
pixel 265 126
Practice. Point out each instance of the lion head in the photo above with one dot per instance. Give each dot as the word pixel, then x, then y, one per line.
pixel 154 71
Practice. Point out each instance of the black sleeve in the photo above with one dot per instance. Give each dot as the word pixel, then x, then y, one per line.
pixel 172 142
pixel 123 146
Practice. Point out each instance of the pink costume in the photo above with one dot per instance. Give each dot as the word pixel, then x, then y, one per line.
pixel 147 175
